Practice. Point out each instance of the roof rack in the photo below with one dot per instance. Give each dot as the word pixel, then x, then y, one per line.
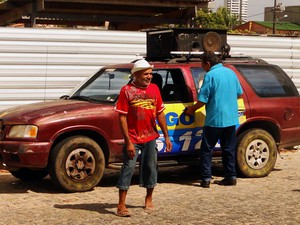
pixel 200 53
pixel 235 57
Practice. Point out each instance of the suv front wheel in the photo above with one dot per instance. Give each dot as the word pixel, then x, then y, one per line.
pixel 256 153
pixel 29 174
pixel 76 164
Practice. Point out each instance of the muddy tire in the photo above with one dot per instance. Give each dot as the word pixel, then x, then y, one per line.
pixel 256 153
pixel 76 164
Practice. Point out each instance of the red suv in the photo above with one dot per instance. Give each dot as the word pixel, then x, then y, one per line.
pixel 74 138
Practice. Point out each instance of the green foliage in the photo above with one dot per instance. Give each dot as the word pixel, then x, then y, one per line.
pixel 221 19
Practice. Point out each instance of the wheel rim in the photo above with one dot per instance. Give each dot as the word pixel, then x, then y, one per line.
pixel 257 154
pixel 80 164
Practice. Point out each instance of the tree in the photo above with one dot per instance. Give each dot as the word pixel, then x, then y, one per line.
pixel 221 19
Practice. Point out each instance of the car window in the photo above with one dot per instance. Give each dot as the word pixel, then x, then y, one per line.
pixel 267 80
pixel 104 85
pixel 172 85
pixel 198 75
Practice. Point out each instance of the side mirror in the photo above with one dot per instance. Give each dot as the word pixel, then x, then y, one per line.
pixel 64 97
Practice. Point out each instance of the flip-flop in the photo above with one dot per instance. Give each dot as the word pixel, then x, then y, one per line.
pixel 123 213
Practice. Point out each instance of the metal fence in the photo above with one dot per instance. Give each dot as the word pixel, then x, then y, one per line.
pixel 43 64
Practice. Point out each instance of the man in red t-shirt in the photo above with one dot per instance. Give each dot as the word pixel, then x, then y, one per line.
pixel 139 105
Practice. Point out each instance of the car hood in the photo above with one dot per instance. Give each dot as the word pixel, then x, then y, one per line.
pixel 57 109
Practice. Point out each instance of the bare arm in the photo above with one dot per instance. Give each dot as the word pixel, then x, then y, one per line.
pixel 124 129
pixel 191 109
pixel 163 125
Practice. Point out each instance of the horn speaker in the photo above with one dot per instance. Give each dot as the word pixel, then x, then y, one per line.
pixel 160 43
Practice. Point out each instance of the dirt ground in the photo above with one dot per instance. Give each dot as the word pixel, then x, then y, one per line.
pixel 178 199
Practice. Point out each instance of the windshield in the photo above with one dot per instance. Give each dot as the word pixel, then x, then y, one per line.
pixel 104 86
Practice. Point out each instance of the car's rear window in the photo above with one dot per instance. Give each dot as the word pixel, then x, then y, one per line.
pixel 268 80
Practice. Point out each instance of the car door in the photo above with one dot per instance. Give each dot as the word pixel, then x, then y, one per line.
pixel 185 131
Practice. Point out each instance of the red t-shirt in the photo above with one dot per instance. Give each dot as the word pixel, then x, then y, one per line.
pixel 141 105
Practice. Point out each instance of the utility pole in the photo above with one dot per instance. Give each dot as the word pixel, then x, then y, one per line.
pixel 277 8
pixel 274 16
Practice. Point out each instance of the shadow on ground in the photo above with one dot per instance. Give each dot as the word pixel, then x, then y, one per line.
pixel 184 175
pixel 102 208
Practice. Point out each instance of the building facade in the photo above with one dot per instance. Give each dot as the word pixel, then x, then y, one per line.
pixel 290 14
pixel 266 28
pixel 238 8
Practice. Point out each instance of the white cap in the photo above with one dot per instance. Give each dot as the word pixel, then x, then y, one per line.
pixel 141 64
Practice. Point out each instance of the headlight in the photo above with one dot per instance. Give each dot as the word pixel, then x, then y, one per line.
pixel 23 131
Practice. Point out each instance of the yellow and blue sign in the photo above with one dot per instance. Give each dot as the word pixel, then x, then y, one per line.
pixel 186 131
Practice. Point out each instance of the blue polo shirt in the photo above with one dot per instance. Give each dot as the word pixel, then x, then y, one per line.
pixel 219 92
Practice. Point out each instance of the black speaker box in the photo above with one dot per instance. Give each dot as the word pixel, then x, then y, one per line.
pixel 160 43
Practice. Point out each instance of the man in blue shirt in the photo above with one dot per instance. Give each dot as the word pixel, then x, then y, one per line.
pixel 219 93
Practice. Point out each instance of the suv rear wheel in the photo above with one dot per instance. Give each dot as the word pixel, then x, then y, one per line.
pixel 256 153
pixel 76 164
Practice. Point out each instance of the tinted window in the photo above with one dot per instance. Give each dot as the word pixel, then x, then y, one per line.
pixel 172 85
pixel 267 80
